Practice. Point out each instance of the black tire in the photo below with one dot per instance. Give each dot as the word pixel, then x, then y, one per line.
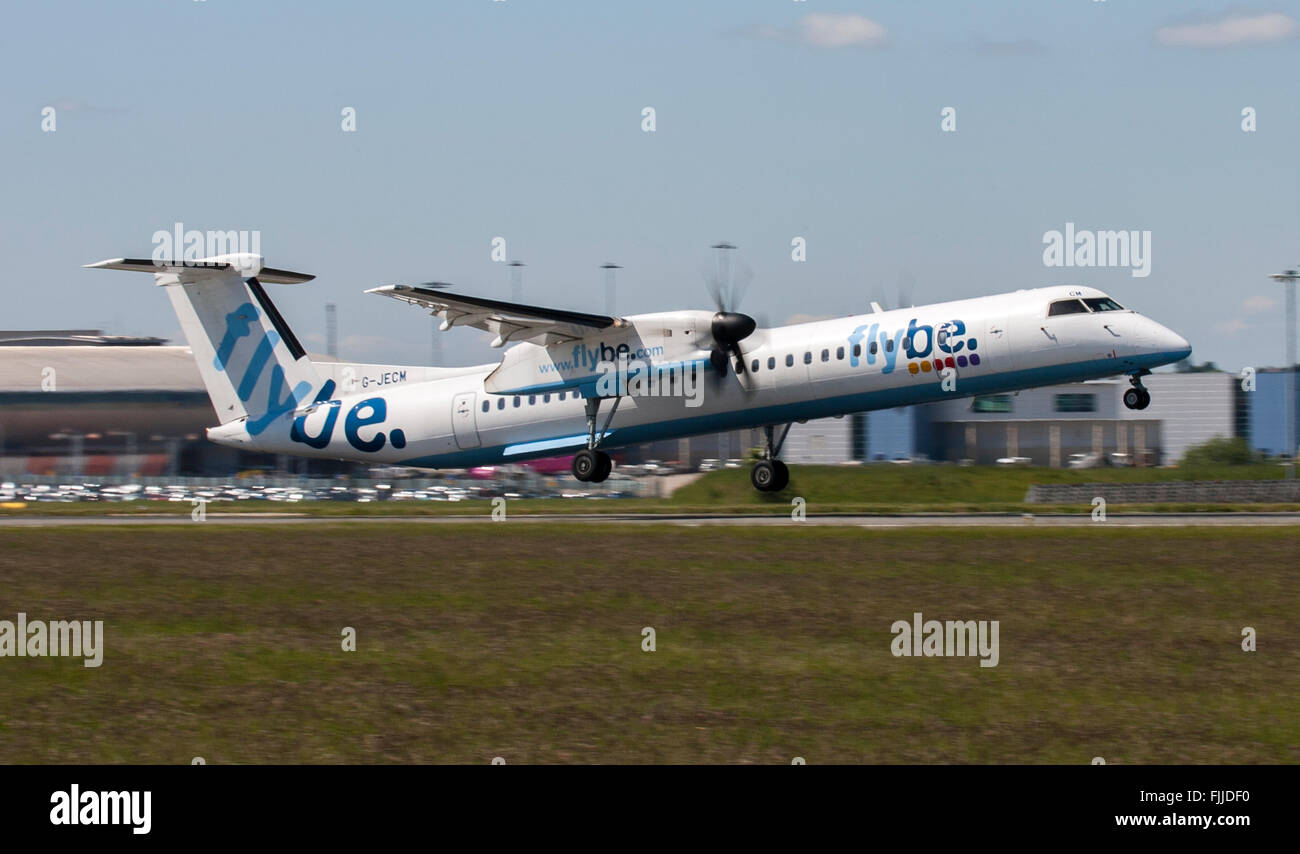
pixel 762 476
pixel 604 465
pixel 1145 401
pixel 1133 398
pixel 585 464
pixel 782 476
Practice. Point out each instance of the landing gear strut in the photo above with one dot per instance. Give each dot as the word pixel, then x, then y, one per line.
pixel 770 474
pixel 1137 397
pixel 591 465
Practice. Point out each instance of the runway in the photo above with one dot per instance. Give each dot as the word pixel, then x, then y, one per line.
pixel 920 520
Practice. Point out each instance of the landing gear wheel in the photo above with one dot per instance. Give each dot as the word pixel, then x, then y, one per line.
pixel 782 476
pixel 1137 397
pixel 604 466
pixel 585 465
pixel 591 466
pixel 763 475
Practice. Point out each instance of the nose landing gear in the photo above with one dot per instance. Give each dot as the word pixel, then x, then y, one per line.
pixel 1137 397
pixel 770 474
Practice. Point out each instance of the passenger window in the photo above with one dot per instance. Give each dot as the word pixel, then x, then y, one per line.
pixel 857 350
pixel 826 355
pixel 753 366
pixel 501 403
pixel 516 401
pixel 1066 306
pixel 532 399
pixel 889 345
pixel 807 357
pixel 546 398
pixel 874 347
pixel 907 342
pixel 771 363
pixel 839 352
pixel 486 405
pixel 789 360
pixel 561 395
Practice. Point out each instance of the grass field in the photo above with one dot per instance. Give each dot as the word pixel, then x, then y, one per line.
pixel 224 642
pixel 877 488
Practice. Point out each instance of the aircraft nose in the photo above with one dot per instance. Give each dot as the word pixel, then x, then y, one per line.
pixel 1171 342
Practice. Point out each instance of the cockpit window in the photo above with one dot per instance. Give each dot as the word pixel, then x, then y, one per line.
pixel 1066 306
pixel 1103 304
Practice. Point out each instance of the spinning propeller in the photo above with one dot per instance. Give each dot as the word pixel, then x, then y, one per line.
pixel 728 327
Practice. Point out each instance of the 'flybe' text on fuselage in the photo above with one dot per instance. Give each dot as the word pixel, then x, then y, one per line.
pixel 949 344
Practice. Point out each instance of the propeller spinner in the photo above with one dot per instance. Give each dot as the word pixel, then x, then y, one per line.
pixel 728 329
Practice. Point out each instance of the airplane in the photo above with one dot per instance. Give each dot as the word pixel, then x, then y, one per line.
pixel 658 376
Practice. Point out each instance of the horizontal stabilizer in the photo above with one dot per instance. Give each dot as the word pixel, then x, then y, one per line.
pixel 246 264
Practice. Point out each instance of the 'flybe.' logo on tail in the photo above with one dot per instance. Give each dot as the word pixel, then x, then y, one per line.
pixel 280 399
pixel 372 410
pixel 949 344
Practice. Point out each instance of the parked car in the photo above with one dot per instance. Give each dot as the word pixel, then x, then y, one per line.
pixel 1085 461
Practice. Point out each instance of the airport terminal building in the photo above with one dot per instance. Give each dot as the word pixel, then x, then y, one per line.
pixel 78 402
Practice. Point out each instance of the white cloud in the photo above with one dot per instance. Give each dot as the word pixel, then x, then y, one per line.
pixel 1230 31
pixel 1230 327
pixel 827 30
pixel 1259 303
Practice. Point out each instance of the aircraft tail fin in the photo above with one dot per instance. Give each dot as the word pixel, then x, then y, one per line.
pixel 253 366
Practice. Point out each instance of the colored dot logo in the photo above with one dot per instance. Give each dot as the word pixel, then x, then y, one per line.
pixel 925 366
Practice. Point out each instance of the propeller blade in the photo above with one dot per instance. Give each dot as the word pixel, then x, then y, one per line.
pixel 906 286
pixel 740 285
pixel 713 285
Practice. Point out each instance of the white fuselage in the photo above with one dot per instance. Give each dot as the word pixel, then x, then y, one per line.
pixel 529 406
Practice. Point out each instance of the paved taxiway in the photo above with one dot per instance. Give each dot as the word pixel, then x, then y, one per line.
pixel 921 520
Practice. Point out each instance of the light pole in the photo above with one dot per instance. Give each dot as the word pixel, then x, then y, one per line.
pixel 331 330
pixel 132 447
pixel 516 281
pixel 609 285
pixel 1288 278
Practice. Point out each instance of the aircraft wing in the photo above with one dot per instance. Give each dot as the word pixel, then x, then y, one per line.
pixel 508 321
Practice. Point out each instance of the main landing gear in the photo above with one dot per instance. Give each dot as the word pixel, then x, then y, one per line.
pixel 770 474
pixel 1137 397
pixel 591 465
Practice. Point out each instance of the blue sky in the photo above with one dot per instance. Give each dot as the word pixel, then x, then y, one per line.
pixel 775 119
